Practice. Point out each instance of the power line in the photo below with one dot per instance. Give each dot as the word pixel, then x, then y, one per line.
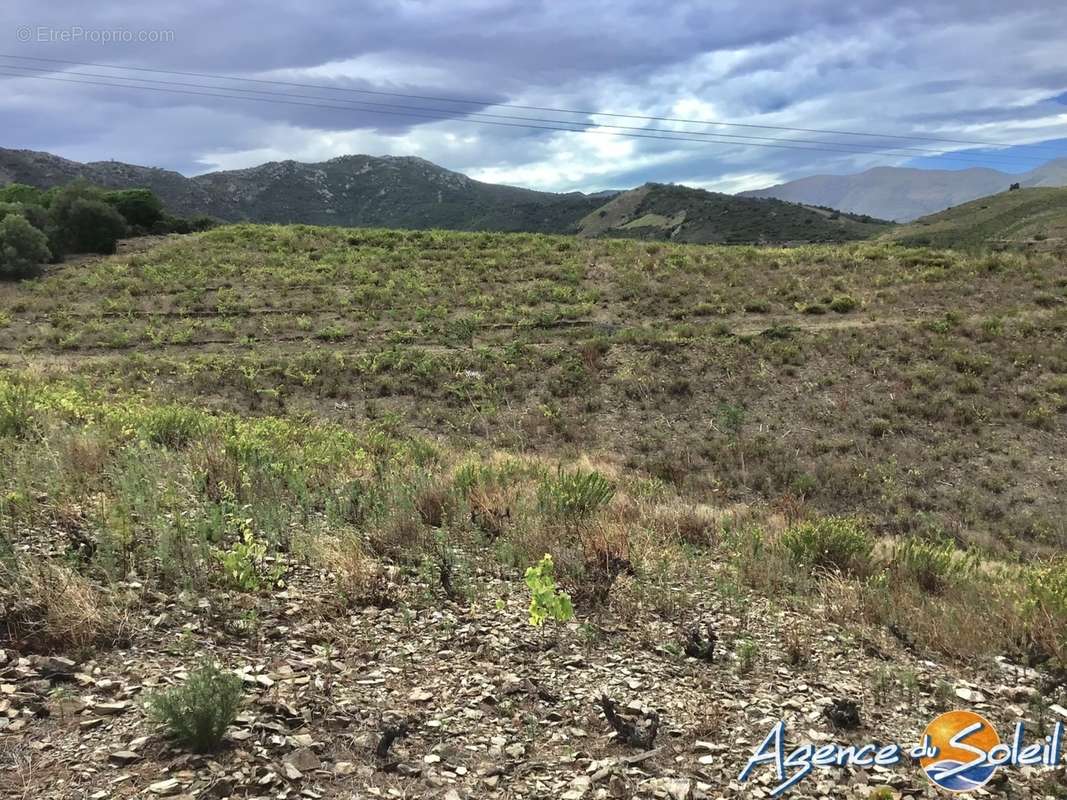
pixel 364 105
pixel 467 101
pixel 586 127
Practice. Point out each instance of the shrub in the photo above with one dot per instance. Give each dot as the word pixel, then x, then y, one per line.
pixel 16 410
pixel 843 303
pixel 23 248
pixel 139 207
pixel 573 497
pixel 173 426
pixel 1046 604
pixel 21 193
pixel 835 543
pixel 92 227
pixel 697 526
pixel 47 607
pixel 197 713
pixel 757 307
pixel 932 565
pixel 86 222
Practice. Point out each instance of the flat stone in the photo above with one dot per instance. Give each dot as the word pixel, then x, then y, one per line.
pixel 970 695
pixel 165 788
pixel 110 709
pixel 57 667
pixel 123 757
pixel 291 772
pixel 304 759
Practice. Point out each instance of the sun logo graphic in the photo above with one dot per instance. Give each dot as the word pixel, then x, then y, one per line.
pixel 962 751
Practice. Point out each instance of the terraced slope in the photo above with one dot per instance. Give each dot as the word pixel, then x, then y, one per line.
pixel 923 388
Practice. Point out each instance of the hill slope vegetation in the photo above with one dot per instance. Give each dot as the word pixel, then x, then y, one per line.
pixel 682 214
pixel 1037 217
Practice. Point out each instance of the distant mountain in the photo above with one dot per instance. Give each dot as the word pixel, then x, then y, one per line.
pixel 904 194
pixel 682 214
pixel 44 170
pixel 409 192
pixel 1034 217
pixel 403 192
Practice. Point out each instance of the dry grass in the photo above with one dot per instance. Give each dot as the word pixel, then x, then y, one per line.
pixel 47 607
pixel 361 581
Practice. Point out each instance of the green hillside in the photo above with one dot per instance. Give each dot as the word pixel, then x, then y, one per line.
pixel 1036 217
pixel 819 355
pixel 682 214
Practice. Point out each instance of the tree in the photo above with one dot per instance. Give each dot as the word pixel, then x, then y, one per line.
pixel 139 207
pixel 23 248
pixel 86 222
pixel 21 193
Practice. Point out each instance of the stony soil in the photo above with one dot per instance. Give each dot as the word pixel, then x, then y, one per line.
pixel 496 707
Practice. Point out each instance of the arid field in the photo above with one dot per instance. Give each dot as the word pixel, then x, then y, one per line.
pixel 772 483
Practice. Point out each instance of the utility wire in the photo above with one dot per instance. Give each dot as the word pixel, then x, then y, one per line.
pixel 484 103
pixel 483 115
pixel 586 127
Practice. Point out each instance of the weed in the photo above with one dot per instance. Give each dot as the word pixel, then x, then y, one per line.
pixel 797 650
pixel 245 563
pixel 573 497
pixel 173 426
pixel 830 543
pixel 747 653
pixel 931 564
pixel 48 607
pixel 16 410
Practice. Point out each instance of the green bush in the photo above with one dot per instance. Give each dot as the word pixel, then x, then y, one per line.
pixel 23 248
pixel 173 426
pixel 573 497
pixel 932 565
pixel 16 410
pixel 21 193
pixel 139 207
pixel 197 713
pixel 86 222
pixel 836 543
pixel 92 226
pixel 843 303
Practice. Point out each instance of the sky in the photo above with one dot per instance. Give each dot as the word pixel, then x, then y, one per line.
pixel 972 70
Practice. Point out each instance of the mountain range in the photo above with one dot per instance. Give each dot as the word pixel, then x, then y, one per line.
pixel 410 192
pixel 903 194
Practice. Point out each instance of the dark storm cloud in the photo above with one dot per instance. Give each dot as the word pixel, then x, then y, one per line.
pixel 900 67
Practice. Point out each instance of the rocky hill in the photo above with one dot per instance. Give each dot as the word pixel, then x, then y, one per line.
pixel 409 192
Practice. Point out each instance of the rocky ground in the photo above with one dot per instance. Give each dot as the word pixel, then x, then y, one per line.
pixel 495 707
